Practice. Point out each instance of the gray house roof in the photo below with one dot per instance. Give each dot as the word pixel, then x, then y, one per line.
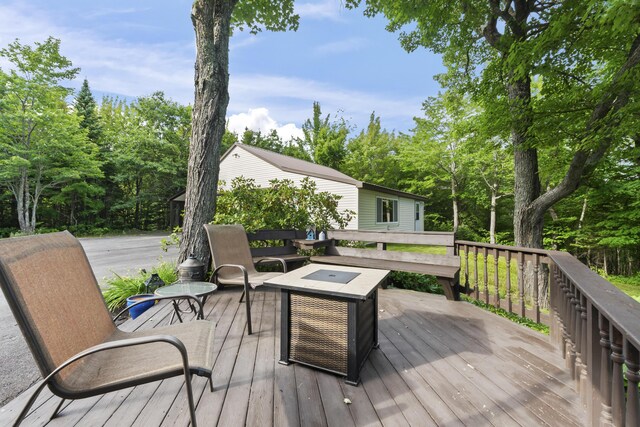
pixel 302 167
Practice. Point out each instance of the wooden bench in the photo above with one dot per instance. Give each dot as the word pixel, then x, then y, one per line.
pixel 446 268
pixel 285 250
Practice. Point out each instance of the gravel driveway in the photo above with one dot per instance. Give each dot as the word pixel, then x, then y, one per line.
pixel 121 254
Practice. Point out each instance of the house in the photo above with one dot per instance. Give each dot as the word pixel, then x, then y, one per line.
pixel 376 207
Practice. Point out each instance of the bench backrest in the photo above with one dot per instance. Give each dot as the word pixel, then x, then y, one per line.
pixel 415 257
pixel 381 238
pixel 283 236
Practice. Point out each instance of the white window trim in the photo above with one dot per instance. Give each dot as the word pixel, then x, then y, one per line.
pixel 397 210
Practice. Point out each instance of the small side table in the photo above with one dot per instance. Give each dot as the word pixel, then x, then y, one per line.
pixel 197 289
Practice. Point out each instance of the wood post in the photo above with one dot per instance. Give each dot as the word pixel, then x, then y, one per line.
pixel 617 381
pixel 475 271
pixel 606 415
pixel 584 348
pixel 495 277
pixel 466 269
pixel 485 279
pixel 632 360
pixel 521 283
pixel 508 284
pixel 536 302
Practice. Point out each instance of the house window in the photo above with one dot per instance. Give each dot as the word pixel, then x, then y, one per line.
pixel 386 210
pixel 417 211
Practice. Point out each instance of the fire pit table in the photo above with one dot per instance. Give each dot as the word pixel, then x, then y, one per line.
pixel 329 317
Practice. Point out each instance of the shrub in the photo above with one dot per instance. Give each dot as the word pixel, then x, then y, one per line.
pixel 122 287
pixel 415 282
pixel 283 205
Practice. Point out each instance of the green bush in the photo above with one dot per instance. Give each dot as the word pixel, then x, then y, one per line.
pixel 415 282
pixel 282 205
pixel 122 287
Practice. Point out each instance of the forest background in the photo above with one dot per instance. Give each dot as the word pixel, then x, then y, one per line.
pixel 70 162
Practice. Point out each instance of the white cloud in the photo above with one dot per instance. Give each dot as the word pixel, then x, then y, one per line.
pixel 258 119
pixel 292 98
pixel 326 9
pixel 341 46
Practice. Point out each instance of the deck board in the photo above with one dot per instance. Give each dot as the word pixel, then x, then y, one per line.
pixel 439 363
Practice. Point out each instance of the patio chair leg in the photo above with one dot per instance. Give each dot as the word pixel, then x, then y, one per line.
pixel 192 406
pixel 241 297
pixel 211 383
pixel 248 305
pixel 55 411
pixel 30 403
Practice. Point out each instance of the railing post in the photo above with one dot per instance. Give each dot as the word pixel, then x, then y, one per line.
pixel 553 305
pixel 536 293
pixel 617 383
pixel 495 277
pixel 509 302
pixel 569 320
pixel 577 327
pixel 466 269
pixel 606 416
pixel 593 354
pixel 562 310
pixel 475 272
pixel 485 279
pixel 583 348
pixel 521 284
pixel 632 360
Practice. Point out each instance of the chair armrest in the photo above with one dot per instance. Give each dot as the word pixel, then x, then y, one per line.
pixel 214 275
pixel 282 261
pixel 159 298
pixel 127 342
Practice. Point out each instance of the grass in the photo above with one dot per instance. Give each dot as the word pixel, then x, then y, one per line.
pixel 436 250
pixel 511 316
pixel 630 285
pixel 502 268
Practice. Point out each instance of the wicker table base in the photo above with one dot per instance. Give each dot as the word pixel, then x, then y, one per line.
pixel 328 322
pixel 329 333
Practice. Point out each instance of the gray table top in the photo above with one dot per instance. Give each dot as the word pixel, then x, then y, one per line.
pixel 359 287
pixel 197 289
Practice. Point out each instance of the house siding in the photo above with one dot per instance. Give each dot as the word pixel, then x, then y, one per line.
pixel 367 210
pixel 239 162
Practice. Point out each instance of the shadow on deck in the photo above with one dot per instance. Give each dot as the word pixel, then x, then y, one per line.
pixel 439 363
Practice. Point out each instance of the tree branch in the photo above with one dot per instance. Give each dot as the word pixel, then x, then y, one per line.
pixel 490 30
pixel 585 160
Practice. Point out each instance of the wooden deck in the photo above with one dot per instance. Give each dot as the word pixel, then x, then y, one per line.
pixel 439 363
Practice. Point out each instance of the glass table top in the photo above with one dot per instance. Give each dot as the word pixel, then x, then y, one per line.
pixel 186 288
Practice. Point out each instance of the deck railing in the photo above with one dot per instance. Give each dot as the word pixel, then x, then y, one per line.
pixel 595 325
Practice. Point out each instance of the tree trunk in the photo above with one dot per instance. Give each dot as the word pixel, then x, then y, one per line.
pixel 136 211
pixel 527 222
pixel 454 202
pixel 211 21
pixel 583 213
pixel 492 219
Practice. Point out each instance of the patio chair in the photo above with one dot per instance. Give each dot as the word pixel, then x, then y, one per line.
pixel 233 264
pixel 55 298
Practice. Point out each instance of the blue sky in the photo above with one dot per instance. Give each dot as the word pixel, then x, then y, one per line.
pixel 338 57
